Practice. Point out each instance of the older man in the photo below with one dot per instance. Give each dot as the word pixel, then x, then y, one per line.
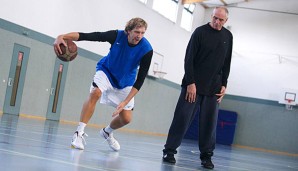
pixel 207 67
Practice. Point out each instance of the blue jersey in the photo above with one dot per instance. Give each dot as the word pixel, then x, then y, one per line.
pixel 121 63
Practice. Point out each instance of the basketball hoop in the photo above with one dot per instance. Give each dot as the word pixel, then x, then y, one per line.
pixel 288 98
pixel 289 104
pixel 159 74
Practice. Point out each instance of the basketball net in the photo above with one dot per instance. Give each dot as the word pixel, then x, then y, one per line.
pixel 288 104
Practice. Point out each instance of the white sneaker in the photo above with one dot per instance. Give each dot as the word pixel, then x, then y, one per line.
pixel 113 143
pixel 78 140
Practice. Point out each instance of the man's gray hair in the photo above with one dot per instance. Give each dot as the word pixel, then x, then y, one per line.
pixel 224 8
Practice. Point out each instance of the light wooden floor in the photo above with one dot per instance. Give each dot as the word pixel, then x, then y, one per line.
pixel 41 145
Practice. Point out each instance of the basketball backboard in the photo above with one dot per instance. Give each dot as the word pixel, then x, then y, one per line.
pixel 155 69
pixel 289 98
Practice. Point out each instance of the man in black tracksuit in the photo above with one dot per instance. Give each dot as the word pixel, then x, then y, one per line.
pixel 207 67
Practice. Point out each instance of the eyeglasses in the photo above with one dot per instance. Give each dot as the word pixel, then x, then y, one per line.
pixel 220 19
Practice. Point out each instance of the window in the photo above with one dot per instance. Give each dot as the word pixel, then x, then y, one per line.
pixel 187 16
pixel 143 1
pixel 167 8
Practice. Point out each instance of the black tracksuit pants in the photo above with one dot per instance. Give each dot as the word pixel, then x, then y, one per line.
pixel 207 109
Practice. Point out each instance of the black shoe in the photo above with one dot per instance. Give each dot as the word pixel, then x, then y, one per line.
pixel 169 158
pixel 207 163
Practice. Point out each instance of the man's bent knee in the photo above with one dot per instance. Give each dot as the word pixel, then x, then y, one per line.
pixel 125 117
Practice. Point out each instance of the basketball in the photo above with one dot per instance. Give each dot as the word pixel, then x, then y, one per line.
pixel 70 52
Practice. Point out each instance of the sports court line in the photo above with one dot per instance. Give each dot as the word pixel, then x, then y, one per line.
pixel 85 166
pixel 155 134
pixel 147 133
pixel 75 164
pixel 95 150
pixel 94 125
pixel 136 150
pixel 265 150
pixel 54 160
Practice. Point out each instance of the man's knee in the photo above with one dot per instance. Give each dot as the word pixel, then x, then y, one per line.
pixel 126 118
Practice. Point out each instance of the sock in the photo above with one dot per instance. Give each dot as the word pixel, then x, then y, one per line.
pixel 108 129
pixel 81 127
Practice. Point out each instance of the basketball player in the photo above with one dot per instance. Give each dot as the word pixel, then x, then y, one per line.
pixel 117 79
pixel 207 67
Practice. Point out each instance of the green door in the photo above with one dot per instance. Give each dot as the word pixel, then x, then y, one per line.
pixel 57 89
pixel 16 79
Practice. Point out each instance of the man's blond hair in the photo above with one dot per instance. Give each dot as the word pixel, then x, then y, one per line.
pixel 135 23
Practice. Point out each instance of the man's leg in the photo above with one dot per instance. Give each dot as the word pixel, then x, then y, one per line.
pixel 86 113
pixel 122 119
pixel 89 105
pixel 183 116
pixel 207 129
pixel 119 121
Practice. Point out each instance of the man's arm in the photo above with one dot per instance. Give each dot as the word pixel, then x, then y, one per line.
pixel 225 72
pixel 143 70
pixel 227 65
pixel 191 50
pixel 108 36
pixel 74 36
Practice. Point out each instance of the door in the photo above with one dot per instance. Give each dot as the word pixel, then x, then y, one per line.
pixel 57 89
pixel 16 79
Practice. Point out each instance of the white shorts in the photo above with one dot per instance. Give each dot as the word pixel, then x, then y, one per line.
pixel 111 95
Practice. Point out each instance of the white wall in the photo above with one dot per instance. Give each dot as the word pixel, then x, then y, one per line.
pixel 265 43
pixel 55 17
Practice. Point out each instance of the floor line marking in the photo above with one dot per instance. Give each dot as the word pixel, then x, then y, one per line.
pixel 54 160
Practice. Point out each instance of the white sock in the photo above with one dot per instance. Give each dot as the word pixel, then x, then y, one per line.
pixel 108 129
pixel 81 127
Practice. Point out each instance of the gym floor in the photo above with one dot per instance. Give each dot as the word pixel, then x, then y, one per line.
pixel 31 144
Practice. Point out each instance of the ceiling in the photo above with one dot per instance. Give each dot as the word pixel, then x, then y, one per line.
pixel 212 3
pixel 281 6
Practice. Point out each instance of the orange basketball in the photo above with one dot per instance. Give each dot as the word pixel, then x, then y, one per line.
pixel 70 52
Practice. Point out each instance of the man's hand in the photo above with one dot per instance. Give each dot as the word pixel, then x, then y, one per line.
pixel 74 36
pixel 119 108
pixel 221 94
pixel 191 93
pixel 59 40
